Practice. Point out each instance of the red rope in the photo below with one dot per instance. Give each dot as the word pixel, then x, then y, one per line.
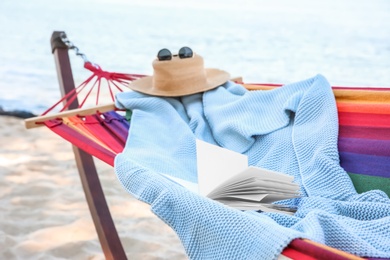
pixel 115 81
pixel 69 96
pixel 89 92
pixel 110 89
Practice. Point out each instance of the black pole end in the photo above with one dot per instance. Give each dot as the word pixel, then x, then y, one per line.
pixel 56 41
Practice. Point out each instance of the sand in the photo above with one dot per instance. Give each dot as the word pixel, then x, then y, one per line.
pixel 43 211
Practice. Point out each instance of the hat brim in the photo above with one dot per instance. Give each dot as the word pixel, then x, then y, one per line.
pixel 215 78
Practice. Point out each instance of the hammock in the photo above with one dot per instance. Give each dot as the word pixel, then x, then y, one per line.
pixel 364 140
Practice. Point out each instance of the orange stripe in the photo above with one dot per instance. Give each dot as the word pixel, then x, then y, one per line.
pixel 353 107
pixel 77 124
pixel 362 96
pixel 351 100
pixel 345 95
pixel 258 87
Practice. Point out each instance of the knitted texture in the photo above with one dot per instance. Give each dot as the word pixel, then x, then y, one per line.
pixel 292 129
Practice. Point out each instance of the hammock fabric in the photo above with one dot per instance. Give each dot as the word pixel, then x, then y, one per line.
pixel 364 134
pixel 364 139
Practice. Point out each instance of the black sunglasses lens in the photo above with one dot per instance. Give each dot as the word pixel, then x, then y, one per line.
pixel 185 52
pixel 164 54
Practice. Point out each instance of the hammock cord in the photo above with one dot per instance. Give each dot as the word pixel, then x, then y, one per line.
pixel 115 82
pixel 118 80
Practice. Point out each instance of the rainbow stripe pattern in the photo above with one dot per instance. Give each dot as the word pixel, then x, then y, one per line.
pixel 364 143
pixel 364 135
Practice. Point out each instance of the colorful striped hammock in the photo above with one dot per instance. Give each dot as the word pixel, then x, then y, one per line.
pixel 364 133
pixel 364 136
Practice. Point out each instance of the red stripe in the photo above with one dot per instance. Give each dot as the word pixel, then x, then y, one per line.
pixel 294 254
pixel 363 119
pixel 100 132
pixel 364 132
pixel 81 141
pixel 317 252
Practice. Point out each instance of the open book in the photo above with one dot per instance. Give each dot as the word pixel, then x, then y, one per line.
pixel 224 175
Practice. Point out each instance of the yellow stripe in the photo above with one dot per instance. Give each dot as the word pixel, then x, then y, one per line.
pixel 78 125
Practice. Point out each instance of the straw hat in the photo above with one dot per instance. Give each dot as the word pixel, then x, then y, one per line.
pixel 179 77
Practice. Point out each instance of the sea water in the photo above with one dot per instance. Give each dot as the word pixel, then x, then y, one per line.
pixel 278 41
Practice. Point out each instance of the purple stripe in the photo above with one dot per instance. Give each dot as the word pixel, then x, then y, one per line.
pixel 117 124
pixel 371 165
pixel 364 146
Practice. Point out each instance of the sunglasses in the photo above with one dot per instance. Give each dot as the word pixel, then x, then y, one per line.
pixel 184 52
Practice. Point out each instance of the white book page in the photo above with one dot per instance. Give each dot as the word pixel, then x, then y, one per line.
pixel 257 180
pixel 255 172
pixel 251 197
pixel 216 165
pixel 248 205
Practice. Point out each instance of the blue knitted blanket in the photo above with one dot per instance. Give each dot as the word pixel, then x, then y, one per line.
pixel 292 129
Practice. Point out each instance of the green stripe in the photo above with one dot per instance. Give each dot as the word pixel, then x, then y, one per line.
pixel 128 115
pixel 364 183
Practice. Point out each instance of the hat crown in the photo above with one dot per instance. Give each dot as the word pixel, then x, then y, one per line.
pixel 180 77
pixel 169 75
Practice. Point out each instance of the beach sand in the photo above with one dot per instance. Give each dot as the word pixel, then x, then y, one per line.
pixel 44 214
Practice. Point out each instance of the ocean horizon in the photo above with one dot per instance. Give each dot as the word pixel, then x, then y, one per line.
pixel 270 42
